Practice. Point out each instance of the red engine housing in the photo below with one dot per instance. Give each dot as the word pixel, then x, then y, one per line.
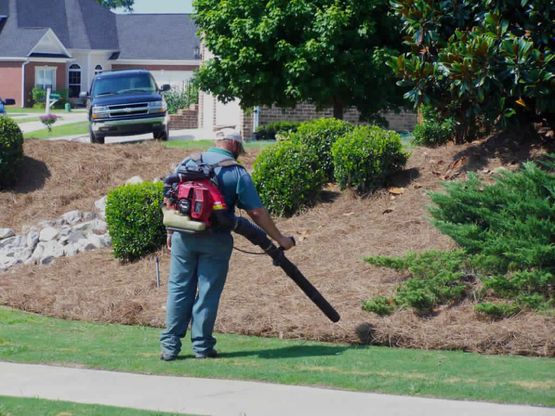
pixel 204 198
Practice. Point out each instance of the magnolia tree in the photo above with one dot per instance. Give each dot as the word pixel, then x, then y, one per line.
pixel 327 52
pixel 480 61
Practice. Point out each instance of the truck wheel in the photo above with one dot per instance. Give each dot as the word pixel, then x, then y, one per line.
pixel 95 138
pixel 162 134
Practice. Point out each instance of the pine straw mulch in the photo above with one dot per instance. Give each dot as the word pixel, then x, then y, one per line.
pixel 333 237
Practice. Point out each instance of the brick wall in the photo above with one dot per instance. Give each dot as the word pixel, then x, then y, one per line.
pixel 10 81
pixel 400 122
pixel 61 76
pixel 185 118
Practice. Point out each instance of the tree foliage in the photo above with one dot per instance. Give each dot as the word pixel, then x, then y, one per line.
pixel 479 61
pixel 114 4
pixel 328 52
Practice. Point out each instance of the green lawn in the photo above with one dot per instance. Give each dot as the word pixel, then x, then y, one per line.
pixel 71 129
pixel 16 406
pixel 32 338
pixel 10 110
pixel 20 120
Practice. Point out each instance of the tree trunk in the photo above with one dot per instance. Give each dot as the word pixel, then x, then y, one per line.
pixel 337 109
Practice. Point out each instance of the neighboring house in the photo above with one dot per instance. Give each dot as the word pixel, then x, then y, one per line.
pixel 62 44
pixel 213 114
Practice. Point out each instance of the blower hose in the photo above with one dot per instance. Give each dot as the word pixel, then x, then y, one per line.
pixel 258 237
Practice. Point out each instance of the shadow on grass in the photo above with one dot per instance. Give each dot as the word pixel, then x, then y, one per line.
pixel 289 352
pixel 281 353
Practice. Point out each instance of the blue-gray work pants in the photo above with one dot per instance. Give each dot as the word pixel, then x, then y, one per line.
pixel 198 269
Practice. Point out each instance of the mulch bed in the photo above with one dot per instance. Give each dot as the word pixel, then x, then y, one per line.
pixel 333 237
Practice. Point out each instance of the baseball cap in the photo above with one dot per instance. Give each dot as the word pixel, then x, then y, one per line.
pixel 231 134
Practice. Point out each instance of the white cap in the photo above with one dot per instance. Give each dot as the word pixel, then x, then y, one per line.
pixel 230 134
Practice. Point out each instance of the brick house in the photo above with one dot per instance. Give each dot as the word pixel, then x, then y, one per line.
pixel 62 44
pixel 213 114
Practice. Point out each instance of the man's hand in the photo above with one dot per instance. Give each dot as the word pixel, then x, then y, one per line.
pixel 169 242
pixel 286 242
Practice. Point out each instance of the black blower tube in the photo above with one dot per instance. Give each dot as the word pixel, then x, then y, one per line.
pixel 258 237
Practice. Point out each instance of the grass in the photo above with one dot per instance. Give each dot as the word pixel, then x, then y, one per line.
pixel 16 406
pixel 32 338
pixel 71 129
pixel 206 144
pixel 20 120
pixel 11 110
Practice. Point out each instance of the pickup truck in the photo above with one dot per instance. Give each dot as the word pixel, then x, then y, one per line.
pixel 123 103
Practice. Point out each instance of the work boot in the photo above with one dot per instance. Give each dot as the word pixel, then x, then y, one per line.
pixel 206 354
pixel 164 356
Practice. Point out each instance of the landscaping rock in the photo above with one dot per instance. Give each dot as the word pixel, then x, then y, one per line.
pixel 100 226
pixel 13 242
pixel 32 239
pixel 71 250
pixel 72 217
pixel 88 216
pixel 6 232
pixel 84 227
pixel 134 180
pixel 100 204
pixel 48 234
pixel 52 250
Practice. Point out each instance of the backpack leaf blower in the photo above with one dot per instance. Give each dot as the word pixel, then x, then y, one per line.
pixel 195 204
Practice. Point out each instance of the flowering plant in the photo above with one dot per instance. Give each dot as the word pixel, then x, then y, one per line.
pixel 48 120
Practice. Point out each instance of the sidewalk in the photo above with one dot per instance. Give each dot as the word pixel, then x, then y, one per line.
pixel 227 397
pixel 186 134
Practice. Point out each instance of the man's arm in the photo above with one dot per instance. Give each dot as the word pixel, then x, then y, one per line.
pixel 262 218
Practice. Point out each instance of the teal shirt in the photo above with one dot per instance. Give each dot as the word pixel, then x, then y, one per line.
pixel 234 182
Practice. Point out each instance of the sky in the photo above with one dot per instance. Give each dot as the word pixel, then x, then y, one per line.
pixel 162 6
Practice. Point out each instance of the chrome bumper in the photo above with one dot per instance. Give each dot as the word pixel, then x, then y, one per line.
pixel 106 124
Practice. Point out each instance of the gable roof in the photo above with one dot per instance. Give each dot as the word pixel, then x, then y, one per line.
pixel 84 24
pixel 157 36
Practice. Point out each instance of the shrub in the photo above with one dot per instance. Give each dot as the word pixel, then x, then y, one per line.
pixel 366 156
pixel 506 231
pixel 509 225
pixel 497 310
pixel 11 150
pixel 48 120
pixel 434 131
pixel 480 60
pixel 39 96
pixel 320 135
pixel 270 130
pixel 380 305
pixel 134 219
pixel 287 177
pixel 181 98
pixel 436 277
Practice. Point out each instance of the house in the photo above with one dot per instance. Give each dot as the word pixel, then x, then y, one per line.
pixel 213 114
pixel 62 44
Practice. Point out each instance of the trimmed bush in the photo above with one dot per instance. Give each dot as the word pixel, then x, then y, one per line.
pixel 270 130
pixel 11 150
pixel 366 156
pixel 134 219
pixel 434 131
pixel 287 177
pixel 320 135
pixel 506 232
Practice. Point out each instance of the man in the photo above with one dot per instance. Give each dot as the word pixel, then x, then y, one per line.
pixel 200 261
